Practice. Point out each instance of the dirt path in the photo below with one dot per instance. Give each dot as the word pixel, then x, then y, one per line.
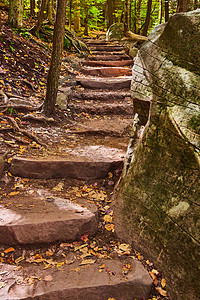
pixel 56 224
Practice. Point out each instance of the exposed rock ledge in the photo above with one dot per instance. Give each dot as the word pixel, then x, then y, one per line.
pixel 157 205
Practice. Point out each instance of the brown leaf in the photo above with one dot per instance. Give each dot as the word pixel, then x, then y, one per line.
pixel 87 262
pixel 161 291
pixel 163 282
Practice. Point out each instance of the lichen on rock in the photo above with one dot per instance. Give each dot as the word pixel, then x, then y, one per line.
pixel 157 206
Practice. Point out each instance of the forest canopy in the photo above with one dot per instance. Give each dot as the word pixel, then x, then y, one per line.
pixel 84 16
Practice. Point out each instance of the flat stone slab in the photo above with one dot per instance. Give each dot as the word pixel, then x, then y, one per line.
pixel 44 218
pixel 76 281
pixel 108 48
pixel 105 63
pixel 101 95
pixel 103 109
pixel 105 83
pixel 106 71
pixel 110 57
pixel 84 163
pixel 115 127
pixel 97 42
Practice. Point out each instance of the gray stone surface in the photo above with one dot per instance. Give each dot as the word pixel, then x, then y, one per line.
pixel 62 100
pixel 76 282
pixel 157 206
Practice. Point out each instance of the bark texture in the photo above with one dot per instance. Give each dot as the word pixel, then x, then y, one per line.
pixel 15 15
pixel 56 59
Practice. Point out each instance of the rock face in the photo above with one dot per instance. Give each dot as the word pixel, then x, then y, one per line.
pixel 157 204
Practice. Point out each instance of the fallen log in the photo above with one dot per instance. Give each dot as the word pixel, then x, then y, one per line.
pixel 133 36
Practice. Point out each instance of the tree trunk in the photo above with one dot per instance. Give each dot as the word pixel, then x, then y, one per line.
pixel 50 11
pixel 148 16
pixel 86 18
pixel 109 13
pixel 138 17
pixel 76 15
pixel 182 6
pixel 70 15
pixel 160 11
pixel 56 58
pixel 15 15
pixel 166 10
pixel 32 8
pixel 40 17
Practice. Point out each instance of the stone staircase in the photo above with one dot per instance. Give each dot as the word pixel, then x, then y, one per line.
pixel 40 217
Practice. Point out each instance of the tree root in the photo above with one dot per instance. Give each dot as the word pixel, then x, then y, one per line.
pixel 5 97
pixel 23 131
pixel 21 107
pixel 38 118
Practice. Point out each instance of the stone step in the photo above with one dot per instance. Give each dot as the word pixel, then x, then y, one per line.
pixel 107 53
pixel 83 163
pixel 109 48
pixel 110 57
pixel 118 63
pixel 112 127
pixel 101 95
pixel 97 42
pixel 105 83
pixel 103 109
pixel 106 71
pixel 76 281
pixel 43 218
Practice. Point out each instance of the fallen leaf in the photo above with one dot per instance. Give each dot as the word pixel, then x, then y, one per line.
pixel 2 284
pixel 13 193
pixel 87 262
pixel 48 278
pixel 8 250
pixel 17 260
pixel 125 248
pixel 161 291
pixel 80 247
pixel 163 282
pixel 107 219
pixel 110 227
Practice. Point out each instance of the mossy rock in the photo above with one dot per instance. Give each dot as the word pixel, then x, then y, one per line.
pixel 115 32
pixel 157 207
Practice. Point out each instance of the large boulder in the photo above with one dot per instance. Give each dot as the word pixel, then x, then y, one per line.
pixel 157 206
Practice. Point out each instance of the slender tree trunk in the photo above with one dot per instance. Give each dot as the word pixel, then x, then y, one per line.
pixel 50 11
pixel 166 10
pixel 76 15
pixel 148 16
pixel 138 16
pixel 40 17
pixel 56 58
pixel 15 14
pixel 110 13
pixel 160 11
pixel 70 14
pixel 32 8
pixel 86 18
pixel 195 4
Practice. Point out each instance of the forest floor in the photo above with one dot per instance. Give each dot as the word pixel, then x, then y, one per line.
pixel 23 72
